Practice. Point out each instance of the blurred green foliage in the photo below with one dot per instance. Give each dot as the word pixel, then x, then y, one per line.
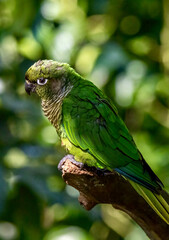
pixel 122 46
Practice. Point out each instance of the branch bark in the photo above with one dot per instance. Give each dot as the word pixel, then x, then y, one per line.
pixel 109 187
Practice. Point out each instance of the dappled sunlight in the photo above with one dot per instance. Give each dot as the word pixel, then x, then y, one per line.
pixel 100 28
pixel 140 45
pixel 130 25
pixel 63 44
pixel 124 90
pixel 2 86
pixel 127 83
pixel 68 233
pixel 29 47
pixel 117 220
pixel 15 158
pixel 8 51
pixel 49 135
pixel 86 59
pixel 122 47
pixel 99 230
pixel 8 231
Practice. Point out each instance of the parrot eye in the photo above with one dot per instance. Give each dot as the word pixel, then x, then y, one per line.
pixel 42 81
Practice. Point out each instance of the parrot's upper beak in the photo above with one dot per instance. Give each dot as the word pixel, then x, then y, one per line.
pixel 29 87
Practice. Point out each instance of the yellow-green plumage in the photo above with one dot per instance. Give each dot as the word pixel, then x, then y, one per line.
pixel 91 129
pixel 156 201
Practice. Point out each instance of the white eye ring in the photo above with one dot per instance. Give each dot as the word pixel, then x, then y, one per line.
pixel 42 81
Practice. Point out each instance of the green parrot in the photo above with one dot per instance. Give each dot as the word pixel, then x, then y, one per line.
pixel 90 128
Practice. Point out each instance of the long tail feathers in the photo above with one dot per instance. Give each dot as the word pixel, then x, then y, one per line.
pixel 156 201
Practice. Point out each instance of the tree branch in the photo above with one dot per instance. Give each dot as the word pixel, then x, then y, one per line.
pixel 109 187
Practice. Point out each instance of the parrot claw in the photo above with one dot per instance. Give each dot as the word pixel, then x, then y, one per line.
pixel 63 160
pixel 71 158
pixel 76 163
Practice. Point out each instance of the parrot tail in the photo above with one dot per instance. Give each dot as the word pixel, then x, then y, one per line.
pixel 156 201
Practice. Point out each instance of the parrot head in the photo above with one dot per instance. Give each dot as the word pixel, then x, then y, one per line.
pixel 47 78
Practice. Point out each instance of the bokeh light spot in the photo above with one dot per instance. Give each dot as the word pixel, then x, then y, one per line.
pixel 8 231
pixel 68 233
pixel 15 158
pixel 86 59
pixel 130 25
pixel 30 48
pixel 49 135
pixel 124 90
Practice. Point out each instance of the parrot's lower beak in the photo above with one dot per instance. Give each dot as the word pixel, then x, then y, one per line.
pixel 29 87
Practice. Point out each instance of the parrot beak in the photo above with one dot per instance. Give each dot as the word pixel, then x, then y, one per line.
pixel 29 87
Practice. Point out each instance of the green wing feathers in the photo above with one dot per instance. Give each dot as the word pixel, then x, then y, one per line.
pixel 92 124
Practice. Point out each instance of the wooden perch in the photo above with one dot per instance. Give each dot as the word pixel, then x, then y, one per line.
pixel 109 187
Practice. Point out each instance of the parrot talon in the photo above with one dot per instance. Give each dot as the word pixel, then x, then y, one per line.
pixel 71 158
pixel 63 160
pixel 76 163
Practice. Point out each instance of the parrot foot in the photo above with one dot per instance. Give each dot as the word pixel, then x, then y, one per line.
pixel 71 158
pixel 76 163
pixel 63 160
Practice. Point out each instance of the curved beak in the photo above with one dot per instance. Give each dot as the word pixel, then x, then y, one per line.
pixel 29 87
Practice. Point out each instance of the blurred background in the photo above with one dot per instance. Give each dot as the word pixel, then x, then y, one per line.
pixel 122 47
